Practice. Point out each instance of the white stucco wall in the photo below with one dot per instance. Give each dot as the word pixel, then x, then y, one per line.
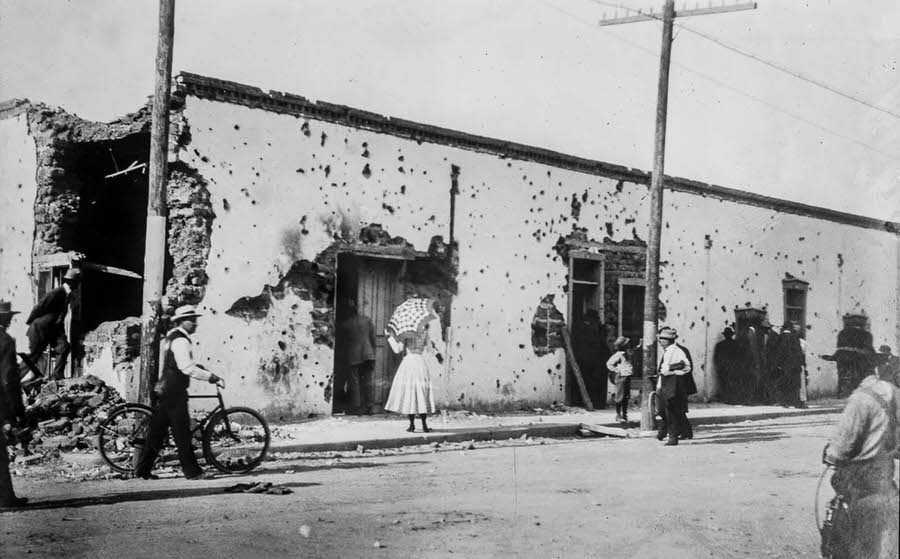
pixel 271 170
pixel 18 164
pixel 277 177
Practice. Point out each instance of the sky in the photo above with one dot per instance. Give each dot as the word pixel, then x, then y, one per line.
pixel 539 72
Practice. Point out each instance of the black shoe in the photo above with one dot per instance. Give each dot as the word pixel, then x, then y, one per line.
pixel 410 429
pixel 144 476
pixel 661 435
pixel 671 442
pixel 16 502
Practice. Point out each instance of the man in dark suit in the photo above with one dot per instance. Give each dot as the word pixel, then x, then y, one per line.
pixel 46 323
pixel 359 332
pixel 11 406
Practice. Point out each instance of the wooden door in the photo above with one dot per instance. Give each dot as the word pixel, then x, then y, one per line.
pixel 377 296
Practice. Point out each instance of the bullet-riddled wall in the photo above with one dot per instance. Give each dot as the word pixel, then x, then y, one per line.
pixel 285 186
pixel 18 162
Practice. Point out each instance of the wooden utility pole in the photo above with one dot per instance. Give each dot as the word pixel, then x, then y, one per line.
pixel 155 244
pixel 651 293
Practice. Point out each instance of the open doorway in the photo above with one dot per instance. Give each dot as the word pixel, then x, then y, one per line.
pixel 374 284
pixel 589 336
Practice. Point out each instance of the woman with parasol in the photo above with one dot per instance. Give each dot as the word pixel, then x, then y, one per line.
pixel 411 392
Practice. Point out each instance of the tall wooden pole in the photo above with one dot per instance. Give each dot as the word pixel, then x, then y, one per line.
pixel 155 244
pixel 651 293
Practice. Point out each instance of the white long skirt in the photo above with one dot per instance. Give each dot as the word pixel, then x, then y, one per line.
pixel 411 391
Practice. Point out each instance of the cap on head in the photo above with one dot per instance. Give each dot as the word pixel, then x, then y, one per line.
pixel 621 343
pixel 73 275
pixel 6 309
pixel 728 331
pixel 667 333
pixel 184 312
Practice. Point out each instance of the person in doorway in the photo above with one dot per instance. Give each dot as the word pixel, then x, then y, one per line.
pixel 46 323
pixel 620 371
pixel 411 393
pixel 804 375
pixel 12 408
pixel 863 450
pixel 590 345
pixel 178 367
pixel 673 363
pixel 359 332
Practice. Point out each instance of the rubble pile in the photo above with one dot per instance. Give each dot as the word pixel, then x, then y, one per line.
pixel 64 415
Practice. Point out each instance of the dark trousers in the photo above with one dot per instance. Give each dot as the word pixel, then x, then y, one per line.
pixel 360 382
pixel 674 419
pixel 7 495
pixel 38 341
pixel 172 411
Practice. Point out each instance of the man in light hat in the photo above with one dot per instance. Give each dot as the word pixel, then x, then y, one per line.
pixel 172 390
pixel 11 406
pixel 46 323
pixel 673 364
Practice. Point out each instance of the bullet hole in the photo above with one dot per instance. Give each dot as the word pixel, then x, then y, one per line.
pixel 281 345
pixel 301 171
pixel 236 127
pixel 401 169
pixel 225 205
pixel 322 139
pixel 609 229
pixel 403 189
pixel 367 172
pixel 327 170
pixel 305 129
pixel 402 159
pixel 387 207
pixel 365 152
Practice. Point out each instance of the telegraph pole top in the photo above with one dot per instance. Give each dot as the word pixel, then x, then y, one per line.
pixel 696 11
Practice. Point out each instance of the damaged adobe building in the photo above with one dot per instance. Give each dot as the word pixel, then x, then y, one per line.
pixel 281 210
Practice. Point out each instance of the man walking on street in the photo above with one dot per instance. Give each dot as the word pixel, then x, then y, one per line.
pixel 11 406
pixel 46 323
pixel 360 334
pixel 863 450
pixel 172 389
pixel 673 363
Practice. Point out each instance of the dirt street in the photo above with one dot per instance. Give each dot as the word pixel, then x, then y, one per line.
pixel 743 490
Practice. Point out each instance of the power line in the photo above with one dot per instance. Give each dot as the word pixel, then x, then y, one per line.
pixel 734 89
pixel 762 60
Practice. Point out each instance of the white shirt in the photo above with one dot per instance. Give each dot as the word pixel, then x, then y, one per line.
pixel 673 355
pixel 620 364
pixel 184 357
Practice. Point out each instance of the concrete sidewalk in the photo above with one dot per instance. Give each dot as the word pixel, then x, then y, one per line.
pixel 340 433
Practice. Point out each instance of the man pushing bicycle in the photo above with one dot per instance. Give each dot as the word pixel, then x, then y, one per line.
pixel 172 391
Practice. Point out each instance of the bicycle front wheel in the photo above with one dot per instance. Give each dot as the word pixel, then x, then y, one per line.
pixel 122 434
pixel 236 440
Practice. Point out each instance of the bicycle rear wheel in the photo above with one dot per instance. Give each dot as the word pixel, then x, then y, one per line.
pixel 236 440
pixel 121 434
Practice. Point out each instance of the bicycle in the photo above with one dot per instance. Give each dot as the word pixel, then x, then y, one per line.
pixel 234 440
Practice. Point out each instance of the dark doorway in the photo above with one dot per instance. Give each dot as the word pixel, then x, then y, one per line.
pixel 111 226
pixel 374 284
pixel 589 336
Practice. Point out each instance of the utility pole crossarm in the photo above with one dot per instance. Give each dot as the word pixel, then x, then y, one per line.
pixel 658 16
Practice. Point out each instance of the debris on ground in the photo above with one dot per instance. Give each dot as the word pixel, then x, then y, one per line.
pixel 62 416
pixel 259 487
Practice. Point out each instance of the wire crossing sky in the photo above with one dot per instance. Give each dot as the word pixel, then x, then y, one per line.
pixel 778 107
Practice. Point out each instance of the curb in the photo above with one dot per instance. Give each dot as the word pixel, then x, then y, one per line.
pixel 554 431
pixel 550 431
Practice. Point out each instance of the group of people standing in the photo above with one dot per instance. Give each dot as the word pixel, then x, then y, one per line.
pixel 764 366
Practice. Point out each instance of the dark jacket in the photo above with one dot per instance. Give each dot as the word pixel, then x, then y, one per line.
pixel 360 335
pixel 50 312
pixel 11 405
pixel 172 382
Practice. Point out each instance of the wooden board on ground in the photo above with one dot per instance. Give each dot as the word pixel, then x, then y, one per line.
pixel 609 431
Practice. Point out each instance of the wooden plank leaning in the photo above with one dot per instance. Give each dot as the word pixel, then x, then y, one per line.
pixel 576 370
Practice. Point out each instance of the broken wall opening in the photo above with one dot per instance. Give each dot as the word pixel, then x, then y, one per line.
pixel 111 223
